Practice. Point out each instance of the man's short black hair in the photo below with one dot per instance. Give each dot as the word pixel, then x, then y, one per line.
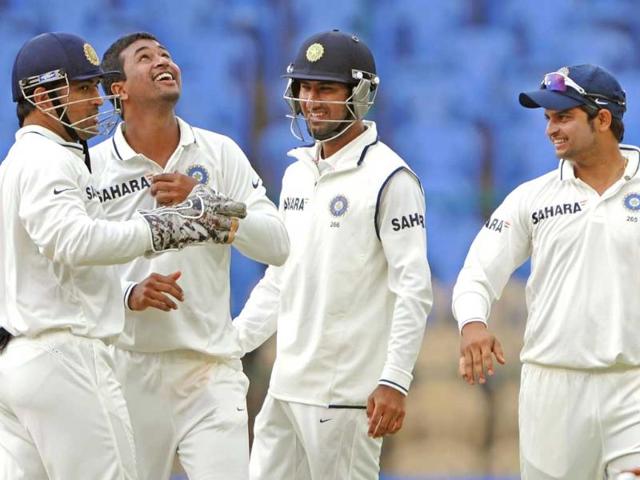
pixel 617 125
pixel 23 109
pixel 112 61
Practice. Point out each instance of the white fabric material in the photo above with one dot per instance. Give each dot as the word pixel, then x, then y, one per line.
pixel 202 322
pixel 349 307
pixel 54 244
pixel 582 295
pixel 294 441
pixel 576 424
pixel 62 412
pixel 189 403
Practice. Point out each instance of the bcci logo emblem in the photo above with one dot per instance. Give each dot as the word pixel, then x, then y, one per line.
pixel 632 202
pixel 91 54
pixel 199 173
pixel 339 206
pixel 315 52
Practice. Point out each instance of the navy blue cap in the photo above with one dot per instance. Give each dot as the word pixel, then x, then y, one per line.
pixel 40 58
pixel 603 91
pixel 332 56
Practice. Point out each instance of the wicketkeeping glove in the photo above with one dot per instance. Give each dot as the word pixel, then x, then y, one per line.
pixel 203 216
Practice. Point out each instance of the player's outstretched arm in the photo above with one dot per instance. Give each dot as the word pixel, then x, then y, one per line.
pixel 478 346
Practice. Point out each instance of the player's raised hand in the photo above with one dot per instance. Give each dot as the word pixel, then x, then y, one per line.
pixel 171 188
pixel 156 291
pixel 385 410
pixel 477 348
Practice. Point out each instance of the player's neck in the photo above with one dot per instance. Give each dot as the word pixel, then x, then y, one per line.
pixel 154 136
pixel 601 167
pixel 41 119
pixel 332 146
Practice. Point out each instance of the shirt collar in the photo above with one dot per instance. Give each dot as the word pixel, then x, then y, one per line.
pixel 49 134
pixel 630 152
pixel 123 151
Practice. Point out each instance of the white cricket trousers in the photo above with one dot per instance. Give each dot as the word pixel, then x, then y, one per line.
pixel 62 412
pixel 186 403
pixel 294 441
pixel 578 424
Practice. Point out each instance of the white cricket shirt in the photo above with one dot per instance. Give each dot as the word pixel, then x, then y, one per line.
pixel 351 302
pixel 54 244
pixel 582 295
pixel 202 322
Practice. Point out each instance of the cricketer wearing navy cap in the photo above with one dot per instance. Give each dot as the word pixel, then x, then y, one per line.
pixel 579 225
pixel 576 86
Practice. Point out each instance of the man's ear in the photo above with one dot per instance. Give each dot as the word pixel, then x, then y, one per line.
pixel 118 88
pixel 604 119
pixel 41 98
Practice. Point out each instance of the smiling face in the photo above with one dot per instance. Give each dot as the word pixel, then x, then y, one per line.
pixel 151 74
pixel 571 132
pixel 323 107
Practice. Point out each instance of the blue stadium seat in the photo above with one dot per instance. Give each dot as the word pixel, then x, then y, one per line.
pixel 522 152
pixel 630 81
pixel 308 17
pixel 534 23
pixel 245 274
pixel 449 236
pixel 610 47
pixel 271 159
pixel 414 32
pixel 447 157
pixel 219 76
pixel 479 58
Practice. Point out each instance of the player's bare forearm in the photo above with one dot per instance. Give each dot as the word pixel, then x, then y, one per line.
pixel 477 348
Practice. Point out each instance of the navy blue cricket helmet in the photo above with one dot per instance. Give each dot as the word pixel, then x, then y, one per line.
pixel 336 57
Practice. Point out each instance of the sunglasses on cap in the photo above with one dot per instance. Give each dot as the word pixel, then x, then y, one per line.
pixel 559 82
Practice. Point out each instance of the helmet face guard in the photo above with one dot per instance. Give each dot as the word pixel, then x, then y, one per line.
pixel 106 120
pixel 332 57
pixel 362 98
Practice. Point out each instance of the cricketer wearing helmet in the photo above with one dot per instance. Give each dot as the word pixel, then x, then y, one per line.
pixel 62 412
pixel 351 301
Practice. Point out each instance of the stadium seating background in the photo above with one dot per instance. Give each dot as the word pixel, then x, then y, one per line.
pixel 450 74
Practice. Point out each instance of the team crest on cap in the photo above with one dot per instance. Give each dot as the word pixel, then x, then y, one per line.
pixel 199 173
pixel 632 202
pixel 91 54
pixel 315 52
pixel 338 206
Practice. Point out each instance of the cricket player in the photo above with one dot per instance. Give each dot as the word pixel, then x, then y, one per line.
pixel 580 224
pixel 178 358
pixel 62 412
pixel 351 301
